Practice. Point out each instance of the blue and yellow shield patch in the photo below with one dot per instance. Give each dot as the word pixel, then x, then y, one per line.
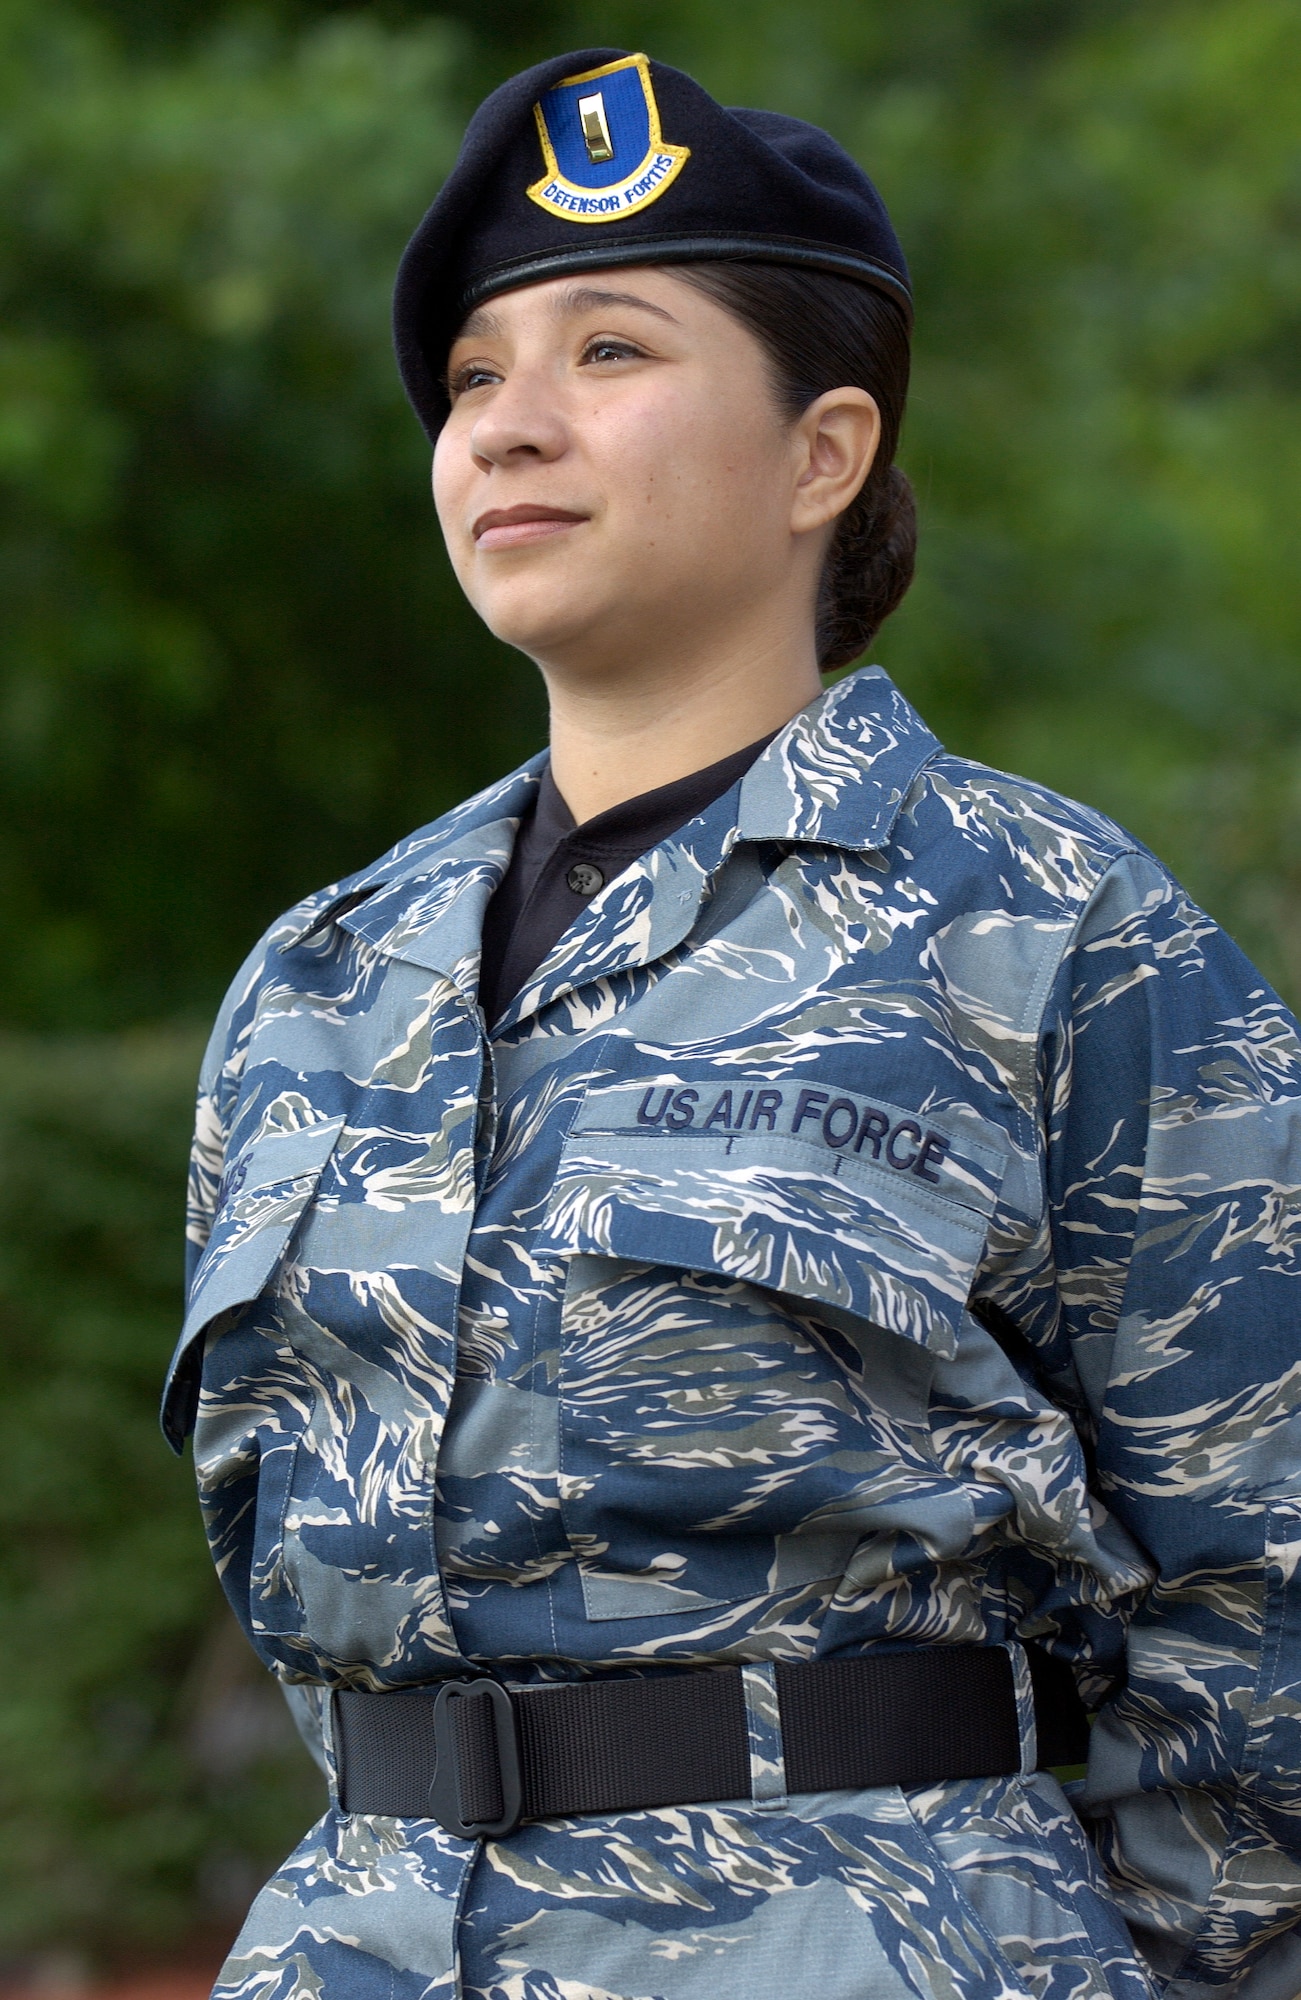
pixel 601 142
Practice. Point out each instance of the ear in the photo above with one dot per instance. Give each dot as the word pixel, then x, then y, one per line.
pixel 836 440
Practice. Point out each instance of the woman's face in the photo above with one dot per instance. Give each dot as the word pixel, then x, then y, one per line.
pixel 615 474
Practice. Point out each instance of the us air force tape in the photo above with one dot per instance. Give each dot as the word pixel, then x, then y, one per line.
pixel 604 158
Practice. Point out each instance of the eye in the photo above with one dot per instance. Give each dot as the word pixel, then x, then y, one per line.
pixel 470 375
pixel 608 347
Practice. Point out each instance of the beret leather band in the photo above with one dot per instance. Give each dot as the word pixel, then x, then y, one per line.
pixel 601 159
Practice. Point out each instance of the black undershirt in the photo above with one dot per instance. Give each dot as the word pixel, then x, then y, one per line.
pixel 557 867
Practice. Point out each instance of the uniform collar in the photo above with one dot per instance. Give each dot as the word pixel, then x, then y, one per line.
pixel 639 917
pixel 836 776
pixel 424 900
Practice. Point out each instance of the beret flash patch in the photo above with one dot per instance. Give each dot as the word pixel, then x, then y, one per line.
pixel 600 135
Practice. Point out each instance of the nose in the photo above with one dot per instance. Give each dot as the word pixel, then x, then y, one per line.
pixel 521 420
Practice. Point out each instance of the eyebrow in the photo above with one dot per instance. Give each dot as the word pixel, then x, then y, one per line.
pixel 584 298
pixel 483 323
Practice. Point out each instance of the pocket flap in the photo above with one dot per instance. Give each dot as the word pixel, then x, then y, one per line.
pixel 259 1205
pixel 786 1211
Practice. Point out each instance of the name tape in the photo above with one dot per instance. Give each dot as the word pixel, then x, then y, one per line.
pixel 904 1144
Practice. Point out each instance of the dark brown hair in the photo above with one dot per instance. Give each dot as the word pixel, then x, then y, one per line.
pixel 821 332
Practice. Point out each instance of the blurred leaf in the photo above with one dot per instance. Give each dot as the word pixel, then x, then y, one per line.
pixel 234 660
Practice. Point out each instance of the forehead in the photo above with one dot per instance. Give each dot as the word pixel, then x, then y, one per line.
pixel 657 294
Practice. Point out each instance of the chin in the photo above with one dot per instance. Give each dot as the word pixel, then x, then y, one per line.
pixel 547 628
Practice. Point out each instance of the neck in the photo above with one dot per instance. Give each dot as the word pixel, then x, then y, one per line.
pixel 644 723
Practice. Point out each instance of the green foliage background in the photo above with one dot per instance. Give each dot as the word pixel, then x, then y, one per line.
pixel 233 663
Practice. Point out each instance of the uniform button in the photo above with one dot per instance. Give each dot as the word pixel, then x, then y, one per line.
pixel 585 878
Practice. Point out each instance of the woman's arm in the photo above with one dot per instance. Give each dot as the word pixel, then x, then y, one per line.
pixel 1172 1095
pixel 219 1076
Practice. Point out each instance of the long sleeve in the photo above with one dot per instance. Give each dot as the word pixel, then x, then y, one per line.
pixel 1172 1146
pixel 219 1075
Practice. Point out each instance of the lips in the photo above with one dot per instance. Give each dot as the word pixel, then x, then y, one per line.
pixel 517 527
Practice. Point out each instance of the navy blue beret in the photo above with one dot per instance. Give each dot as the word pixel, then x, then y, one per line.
pixel 604 158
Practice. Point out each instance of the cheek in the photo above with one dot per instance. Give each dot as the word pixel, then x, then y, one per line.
pixel 683 468
pixel 448 478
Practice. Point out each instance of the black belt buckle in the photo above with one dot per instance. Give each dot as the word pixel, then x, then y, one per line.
pixel 477 1792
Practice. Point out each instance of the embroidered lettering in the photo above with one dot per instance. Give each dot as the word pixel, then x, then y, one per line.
pixel 934 1147
pixel 843 1124
pixel 905 1125
pixel 875 1125
pixel 808 1107
pixel 843 1106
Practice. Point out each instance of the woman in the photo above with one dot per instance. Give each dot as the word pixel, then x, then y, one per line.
pixel 742 1265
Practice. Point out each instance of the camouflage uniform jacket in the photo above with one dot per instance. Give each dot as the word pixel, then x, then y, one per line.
pixel 640 1334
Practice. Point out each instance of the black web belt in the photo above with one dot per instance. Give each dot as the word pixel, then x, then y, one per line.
pixel 479 1757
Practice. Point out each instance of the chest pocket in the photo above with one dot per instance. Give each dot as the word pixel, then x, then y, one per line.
pixel 261 1202
pixel 751 1315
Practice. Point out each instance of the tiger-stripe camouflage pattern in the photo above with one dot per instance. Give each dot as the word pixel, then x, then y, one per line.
pixel 652 1331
